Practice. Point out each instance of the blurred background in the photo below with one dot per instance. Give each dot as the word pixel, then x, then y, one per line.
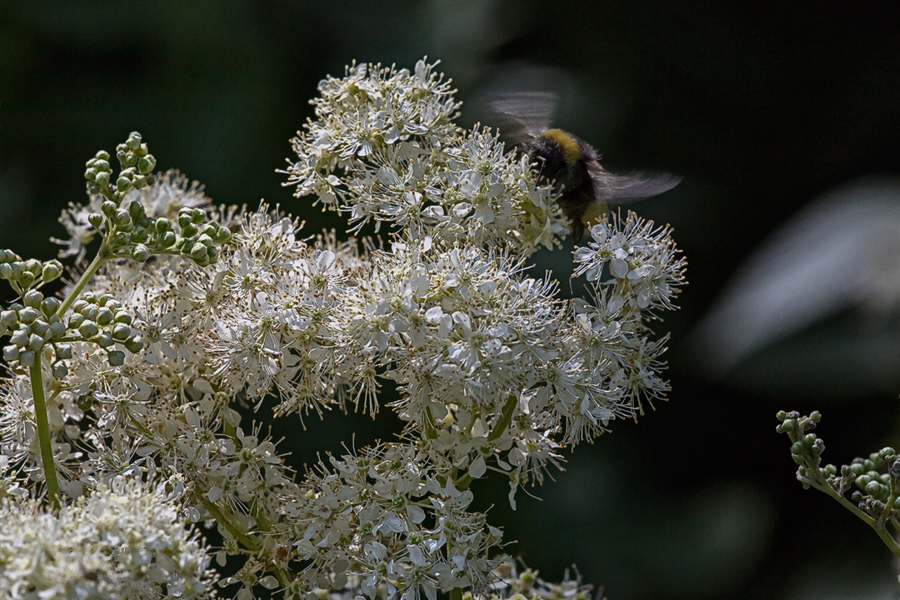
pixel 783 120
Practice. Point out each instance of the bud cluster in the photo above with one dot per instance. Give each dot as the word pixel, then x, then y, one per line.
pixel 25 274
pixel 876 478
pixel 136 164
pixel 34 323
pixel 128 230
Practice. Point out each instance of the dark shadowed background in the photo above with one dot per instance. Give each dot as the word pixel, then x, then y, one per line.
pixel 760 108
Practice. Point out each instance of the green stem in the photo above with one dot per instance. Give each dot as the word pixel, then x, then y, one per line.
pixel 246 539
pixel 430 431
pixel 83 281
pixel 504 420
pixel 885 536
pixel 456 594
pixel 43 428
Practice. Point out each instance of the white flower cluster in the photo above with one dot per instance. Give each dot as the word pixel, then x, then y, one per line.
pixel 494 372
pixel 389 135
pixel 125 541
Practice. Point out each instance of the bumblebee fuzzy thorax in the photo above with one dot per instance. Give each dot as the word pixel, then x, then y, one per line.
pixel 562 159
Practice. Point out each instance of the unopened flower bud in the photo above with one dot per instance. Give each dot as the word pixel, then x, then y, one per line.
pixel 51 271
pixel 121 332
pixel 105 316
pixel 59 370
pixel 96 220
pixel 88 330
pixel 116 358
pixel 28 315
pixel 135 344
pixel 26 359
pixel 33 299
pixel 140 253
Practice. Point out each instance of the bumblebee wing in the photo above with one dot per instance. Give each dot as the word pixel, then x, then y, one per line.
pixel 633 186
pixel 523 115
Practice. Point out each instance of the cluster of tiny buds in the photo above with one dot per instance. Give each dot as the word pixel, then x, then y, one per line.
pixel 128 230
pixel 877 478
pixel 24 274
pixel 136 163
pixel 133 229
pixel 877 489
pixel 34 323
pixel 806 448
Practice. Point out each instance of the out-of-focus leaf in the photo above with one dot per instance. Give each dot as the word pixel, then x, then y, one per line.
pixel 841 252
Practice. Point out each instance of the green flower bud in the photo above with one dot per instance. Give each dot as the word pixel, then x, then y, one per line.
pixel 140 253
pixel 122 218
pixel 102 155
pixel 136 210
pixel 34 266
pixel 26 359
pixel 109 209
pixel 35 342
pixel 123 184
pixel 139 181
pixel 120 240
pixel 26 278
pixel 121 332
pixel 33 299
pixel 189 230
pixel 102 180
pixel 124 317
pixel 39 328
pixel 96 220
pixel 90 312
pixel 146 164
pixel 873 488
pixel 104 340
pixel 162 225
pixel 198 252
pixel 90 174
pixel 63 352
pixel 75 320
pixel 19 338
pixel 105 316
pixel 142 150
pixel 167 240
pixel 52 270
pixel 28 315
pixel 58 330
pixel 8 318
pixel 212 253
pixel 88 330
pixel 139 235
pixel 59 370
pixel 116 358
pixel 10 353
pixel 184 217
pixel 135 344
pixel 134 141
pixel 6 271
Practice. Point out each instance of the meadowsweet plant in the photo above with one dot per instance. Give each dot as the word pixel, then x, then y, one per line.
pixel 872 483
pixel 118 416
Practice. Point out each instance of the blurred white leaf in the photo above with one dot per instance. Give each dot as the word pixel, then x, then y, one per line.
pixel 842 251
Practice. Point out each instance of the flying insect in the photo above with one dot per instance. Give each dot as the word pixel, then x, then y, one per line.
pixel 569 163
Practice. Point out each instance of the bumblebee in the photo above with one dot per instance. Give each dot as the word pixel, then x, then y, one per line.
pixel 584 188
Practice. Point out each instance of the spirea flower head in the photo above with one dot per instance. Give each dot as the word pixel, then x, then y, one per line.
pixel 382 154
pixel 126 541
pixel 190 312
